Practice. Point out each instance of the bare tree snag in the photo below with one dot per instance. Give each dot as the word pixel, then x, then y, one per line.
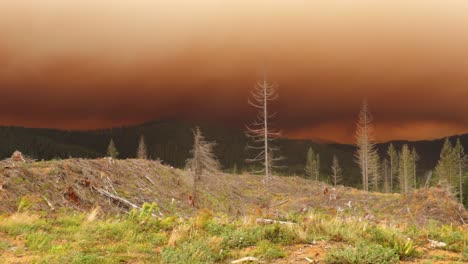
pixel 366 154
pixel 203 160
pixel 260 131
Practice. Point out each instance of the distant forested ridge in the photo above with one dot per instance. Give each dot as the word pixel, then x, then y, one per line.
pixel 170 141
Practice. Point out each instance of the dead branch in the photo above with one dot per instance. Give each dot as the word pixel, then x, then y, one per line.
pixel 49 203
pixel 245 259
pixel 459 215
pixel 436 244
pixel 149 179
pixel 109 183
pixel 116 198
pixel 280 203
pixel 270 221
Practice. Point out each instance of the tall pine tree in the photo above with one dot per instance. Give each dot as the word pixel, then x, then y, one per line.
pixel 405 172
pixel 386 175
pixel 414 161
pixel 447 167
pixel 374 173
pixel 312 165
pixel 393 165
pixel 461 165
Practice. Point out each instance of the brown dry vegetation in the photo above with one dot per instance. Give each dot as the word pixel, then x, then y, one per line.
pixel 73 183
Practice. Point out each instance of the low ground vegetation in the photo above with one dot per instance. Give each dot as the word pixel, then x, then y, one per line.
pixel 40 223
pixel 139 237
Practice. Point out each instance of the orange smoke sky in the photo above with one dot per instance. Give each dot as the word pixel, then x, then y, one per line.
pixel 100 63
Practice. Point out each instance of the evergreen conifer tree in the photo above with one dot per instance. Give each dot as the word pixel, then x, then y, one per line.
pixel 311 167
pixel 112 150
pixel 393 165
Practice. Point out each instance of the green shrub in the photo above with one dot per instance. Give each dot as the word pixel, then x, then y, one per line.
pixel 190 252
pixel 378 235
pixel 21 224
pixel 60 249
pixel 362 254
pixel 389 238
pixel 203 218
pixel 156 239
pixel 279 234
pixel 86 259
pixel 455 237
pixel 168 223
pixel 24 204
pixel 243 237
pixel 405 249
pixel 220 229
pixel 4 245
pixel 267 250
pixel 68 224
pixel 145 213
pixel 341 233
pixel 465 254
pixel 109 230
pixel 39 241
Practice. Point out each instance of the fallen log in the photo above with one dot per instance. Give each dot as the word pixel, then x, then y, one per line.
pixel 270 221
pixel 116 198
pixel 120 199
pixel 245 259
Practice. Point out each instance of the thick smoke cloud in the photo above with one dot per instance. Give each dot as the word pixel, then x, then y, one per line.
pixel 92 64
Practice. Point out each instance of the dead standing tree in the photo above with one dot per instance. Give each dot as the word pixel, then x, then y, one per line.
pixel 337 176
pixel 366 153
pixel 203 160
pixel 260 131
pixel 141 151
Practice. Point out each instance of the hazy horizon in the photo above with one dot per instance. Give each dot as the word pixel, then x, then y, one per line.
pixel 98 64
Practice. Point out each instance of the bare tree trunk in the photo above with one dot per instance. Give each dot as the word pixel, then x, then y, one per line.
pixel 406 176
pixel 265 124
pixel 391 174
pixel 202 162
pixel 317 172
pixel 460 176
pixel 414 173
pixel 385 173
pixel 336 171
pixel 259 131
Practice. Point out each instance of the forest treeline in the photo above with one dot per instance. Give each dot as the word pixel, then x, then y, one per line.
pixel 171 142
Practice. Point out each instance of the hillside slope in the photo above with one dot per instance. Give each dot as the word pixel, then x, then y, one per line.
pixel 85 183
